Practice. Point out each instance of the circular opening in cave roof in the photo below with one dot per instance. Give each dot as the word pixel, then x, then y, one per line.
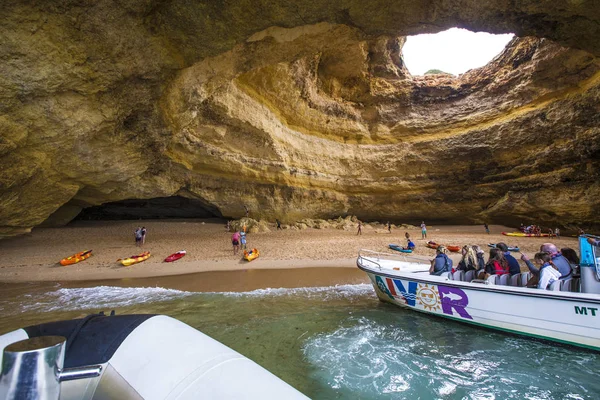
pixel 453 51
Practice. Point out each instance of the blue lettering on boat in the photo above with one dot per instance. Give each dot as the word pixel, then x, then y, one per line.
pixel 411 296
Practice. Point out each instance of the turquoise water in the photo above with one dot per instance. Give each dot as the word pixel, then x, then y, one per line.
pixel 340 342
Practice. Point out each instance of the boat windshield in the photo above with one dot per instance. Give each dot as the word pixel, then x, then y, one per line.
pixel 590 255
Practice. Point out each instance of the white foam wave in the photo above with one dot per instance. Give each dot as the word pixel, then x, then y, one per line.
pixel 97 297
pixel 103 297
pixel 325 292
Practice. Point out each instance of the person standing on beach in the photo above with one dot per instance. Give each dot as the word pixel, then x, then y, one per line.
pixel 487 228
pixel 138 236
pixel 423 230
pixel 557 233
pixel 278 225
pixel 144 232
pixel 243 240
pixel 235 241
pixel 389 225
pixel 359 232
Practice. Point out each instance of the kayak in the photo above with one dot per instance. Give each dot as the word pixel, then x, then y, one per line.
pixel 493 246
pixel 75 258
pixel 399 248
pixel 175 256
pixel 251 255
pixel 434 245
pixel 521 234
pixel 135 259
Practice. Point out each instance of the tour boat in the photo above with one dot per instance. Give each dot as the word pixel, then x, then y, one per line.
pixel 568 313
pixel 148 357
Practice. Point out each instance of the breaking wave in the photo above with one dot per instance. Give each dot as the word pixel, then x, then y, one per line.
pixel 101 297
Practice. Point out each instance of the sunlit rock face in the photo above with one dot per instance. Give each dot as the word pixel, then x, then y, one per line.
pixel 296 110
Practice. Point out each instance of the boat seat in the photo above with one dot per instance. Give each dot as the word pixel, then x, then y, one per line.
pixel 450 276
pixel 515 280
pixel 503 280
pixel 575 285
pixel 469 276
pixel 458 276
pixel 492 279
pixel 525 276
pixel 555 286
pixel 565 286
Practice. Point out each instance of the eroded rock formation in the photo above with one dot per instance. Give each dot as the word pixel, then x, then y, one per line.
pixel 296 110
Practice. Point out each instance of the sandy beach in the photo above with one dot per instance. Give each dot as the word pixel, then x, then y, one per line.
pixel 35 257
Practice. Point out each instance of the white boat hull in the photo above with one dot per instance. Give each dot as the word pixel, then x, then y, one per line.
pixel 572 318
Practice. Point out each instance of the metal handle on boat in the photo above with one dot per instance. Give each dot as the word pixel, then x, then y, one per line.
pixel 31 368
pixel 89 371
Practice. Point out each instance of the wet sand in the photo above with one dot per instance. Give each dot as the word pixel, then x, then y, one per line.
pixel 35 257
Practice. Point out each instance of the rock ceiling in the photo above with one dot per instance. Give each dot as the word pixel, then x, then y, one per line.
pixel 297 109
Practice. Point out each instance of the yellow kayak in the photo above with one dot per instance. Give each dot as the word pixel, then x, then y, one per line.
pixel 135 259
pixel 251 255
pixel 521 234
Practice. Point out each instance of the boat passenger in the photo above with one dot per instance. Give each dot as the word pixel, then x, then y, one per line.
pixel 441 263
pixel 548 271
pixel 497 264
pixel 468 261
pixel 558 260
pixel 513 264
pixel 593 242
pixel 573 258
pixel 480 257
pixel 410 245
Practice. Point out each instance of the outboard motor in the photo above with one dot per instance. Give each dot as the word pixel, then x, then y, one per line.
pixel 33 369
pixel 589 265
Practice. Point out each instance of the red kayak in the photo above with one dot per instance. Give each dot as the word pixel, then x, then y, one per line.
pixel 175 256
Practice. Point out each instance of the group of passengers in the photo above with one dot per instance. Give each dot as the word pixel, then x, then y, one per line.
pixel 549 264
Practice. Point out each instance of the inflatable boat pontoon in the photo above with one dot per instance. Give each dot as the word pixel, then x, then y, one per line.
pixel 128 357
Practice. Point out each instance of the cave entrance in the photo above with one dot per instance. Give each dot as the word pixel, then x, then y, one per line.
pixel 453 51
pixel 156 208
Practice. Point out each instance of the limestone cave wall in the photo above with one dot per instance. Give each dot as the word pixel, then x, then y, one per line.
pixel 301 109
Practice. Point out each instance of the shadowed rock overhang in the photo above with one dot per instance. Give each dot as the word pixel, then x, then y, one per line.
pixel 300 109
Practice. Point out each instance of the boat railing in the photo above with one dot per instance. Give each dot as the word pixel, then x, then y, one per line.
pixel 366 257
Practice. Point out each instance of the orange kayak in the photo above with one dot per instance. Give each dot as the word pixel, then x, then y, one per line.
pixel 454 249
pixel 75 258
pixel 432 245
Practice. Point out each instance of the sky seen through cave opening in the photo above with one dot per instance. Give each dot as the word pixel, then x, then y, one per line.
pixel 454 51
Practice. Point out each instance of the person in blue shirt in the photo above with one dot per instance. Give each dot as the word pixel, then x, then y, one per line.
pixel 441 263
pixel 513 264
pixel 410 245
